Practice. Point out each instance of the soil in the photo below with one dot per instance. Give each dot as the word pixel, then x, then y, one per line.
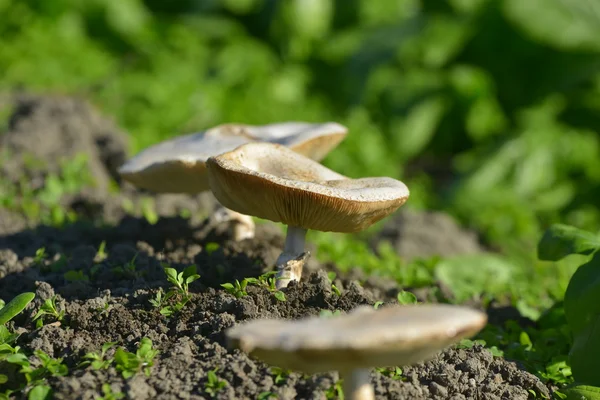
pixel 110 300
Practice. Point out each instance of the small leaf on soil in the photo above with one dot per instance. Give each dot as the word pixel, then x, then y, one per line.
pixel 405 297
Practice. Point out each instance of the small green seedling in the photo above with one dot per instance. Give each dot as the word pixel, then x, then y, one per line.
pixel 268 281
pixel 129 270
pixel 76 276
pixel 159 299
pixel 213 384
pixel 211 247
pixel 280 375
pixel 179 292
pixel 182 280
pixel 407 298
pixel 109 394
pixel 236 289
pixel 48 308
pixel 40 256
pixel 377 304
pixel 98 360
pixel 15 307
pixel 336 290
pixel 131 363
pixel 335 391
pixel 101 254
pixel 332 275
pixel 329 314
pixel 394 373
pixel 581 302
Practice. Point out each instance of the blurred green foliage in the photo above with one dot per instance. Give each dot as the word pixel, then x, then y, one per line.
pixel 487 108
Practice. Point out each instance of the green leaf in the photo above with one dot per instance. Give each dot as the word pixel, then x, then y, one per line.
pixel 171 274
pixel 227 286
pixel 279 295
pixel 582 392
pixel 15 306
pixel 192 278
pixel 582 311
pixel 405 297
pixel 560 241
pixel 40 392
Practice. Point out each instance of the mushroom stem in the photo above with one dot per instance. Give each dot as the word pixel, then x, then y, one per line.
pixel 291 261
pixel 242 225
pixel 357 384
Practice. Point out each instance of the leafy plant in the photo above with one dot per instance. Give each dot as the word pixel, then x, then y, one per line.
pixel 335 391
pixel 581 300
pixel 35 376
pixel 49 308
pixel 392 373
pixel 280 375
pixel 131 363
pixel 213 383
pixel 268 281
pixel 128 270
pixel 179 293
pixel 236 289
pixel 109 394
pixel 98 360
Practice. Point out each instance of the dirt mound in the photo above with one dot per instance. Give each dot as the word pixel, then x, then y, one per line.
pixel 106 297
pixel 424 234
pixel 51 129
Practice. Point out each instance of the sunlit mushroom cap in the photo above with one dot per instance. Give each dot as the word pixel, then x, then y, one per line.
pixel 178 165
pixel 364 338
pixel 273 182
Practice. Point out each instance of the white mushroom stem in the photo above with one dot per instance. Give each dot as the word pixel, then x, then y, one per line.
pixel 242 225
pixel 357 385
pixel 291 261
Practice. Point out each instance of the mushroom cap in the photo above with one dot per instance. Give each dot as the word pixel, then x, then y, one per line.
pixel 273 182
pixel 178 165
pixel 364 338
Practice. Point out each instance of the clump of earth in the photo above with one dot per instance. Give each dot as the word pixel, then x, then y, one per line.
pixel 111 302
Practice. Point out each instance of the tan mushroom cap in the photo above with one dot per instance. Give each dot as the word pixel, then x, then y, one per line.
pixel 273 182
pixel 364 338
pixel 178 165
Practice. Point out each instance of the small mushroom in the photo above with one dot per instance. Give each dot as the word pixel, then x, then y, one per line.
pixel 354 343
pixel 179 165
pixel 273 182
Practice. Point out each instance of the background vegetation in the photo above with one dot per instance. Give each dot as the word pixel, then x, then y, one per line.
pixel 488 109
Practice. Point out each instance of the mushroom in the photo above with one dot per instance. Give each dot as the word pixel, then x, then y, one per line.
pixel 354 343
pixel 272 182
pixel 178 165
